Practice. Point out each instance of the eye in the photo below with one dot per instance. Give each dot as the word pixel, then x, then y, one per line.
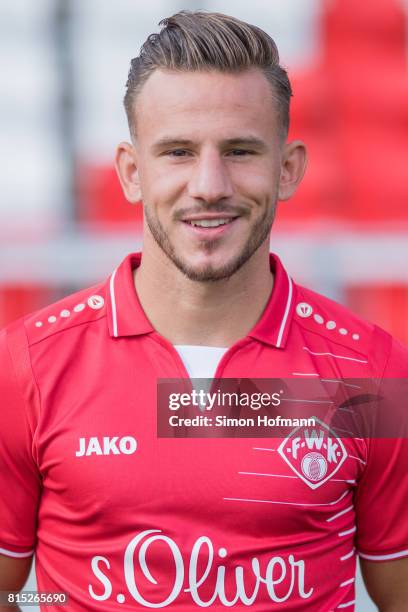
pixel 240 152
pixel 177 153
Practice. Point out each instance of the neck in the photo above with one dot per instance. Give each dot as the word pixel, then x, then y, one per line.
pixel 213 313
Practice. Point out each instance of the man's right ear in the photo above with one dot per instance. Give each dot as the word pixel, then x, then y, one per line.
pixel 126 168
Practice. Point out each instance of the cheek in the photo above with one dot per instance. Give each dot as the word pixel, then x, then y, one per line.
pixel 161 187
pixel 258 188
pixel 260 180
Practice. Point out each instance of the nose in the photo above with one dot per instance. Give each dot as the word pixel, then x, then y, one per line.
pixel 210 180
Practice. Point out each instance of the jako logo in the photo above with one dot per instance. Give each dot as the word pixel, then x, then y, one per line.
pixel 108 446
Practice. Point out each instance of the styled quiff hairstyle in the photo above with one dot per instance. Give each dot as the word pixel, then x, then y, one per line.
pixel 197 41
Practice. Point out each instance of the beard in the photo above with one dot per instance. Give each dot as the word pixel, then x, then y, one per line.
pixel 259 233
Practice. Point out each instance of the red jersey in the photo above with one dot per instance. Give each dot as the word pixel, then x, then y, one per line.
pixel 121 519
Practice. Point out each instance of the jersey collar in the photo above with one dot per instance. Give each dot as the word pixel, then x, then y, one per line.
pixel 126 316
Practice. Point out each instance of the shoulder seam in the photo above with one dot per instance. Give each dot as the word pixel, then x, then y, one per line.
pixel 29 371
pixel 61 331
pixel 337 342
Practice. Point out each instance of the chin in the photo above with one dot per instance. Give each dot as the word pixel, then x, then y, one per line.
pixel 209 271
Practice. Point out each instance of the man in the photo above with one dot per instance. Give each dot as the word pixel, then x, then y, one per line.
pixel 120 518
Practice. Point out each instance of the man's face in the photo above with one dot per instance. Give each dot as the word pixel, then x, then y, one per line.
pixel 208 156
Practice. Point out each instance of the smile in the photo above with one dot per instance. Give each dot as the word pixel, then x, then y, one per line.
pixel 210 222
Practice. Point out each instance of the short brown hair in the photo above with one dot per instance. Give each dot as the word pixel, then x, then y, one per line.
pixel 197 40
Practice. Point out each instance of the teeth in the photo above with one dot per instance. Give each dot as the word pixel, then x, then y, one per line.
pixel 210 222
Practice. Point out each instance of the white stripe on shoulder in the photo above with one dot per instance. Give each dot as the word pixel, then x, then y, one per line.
pixel 10 553
pixel 285 316
pixel 335 356
pixel 113 301
pixel 402 553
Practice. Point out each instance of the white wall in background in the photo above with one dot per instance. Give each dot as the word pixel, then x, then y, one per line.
pixel 31 168
pixel 106 36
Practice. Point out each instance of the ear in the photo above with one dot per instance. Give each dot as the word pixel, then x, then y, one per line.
pixel 127 170
pixel 293 166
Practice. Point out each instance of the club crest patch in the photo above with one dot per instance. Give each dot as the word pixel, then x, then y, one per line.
pixel 315 454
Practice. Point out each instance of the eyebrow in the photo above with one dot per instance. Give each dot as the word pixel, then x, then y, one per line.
pixel 251 141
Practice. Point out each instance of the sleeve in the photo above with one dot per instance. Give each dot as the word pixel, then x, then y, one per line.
pixel 20 481
pixel 382 495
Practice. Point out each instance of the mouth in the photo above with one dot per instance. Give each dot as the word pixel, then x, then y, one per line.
pixel 210 227
pixel 210 222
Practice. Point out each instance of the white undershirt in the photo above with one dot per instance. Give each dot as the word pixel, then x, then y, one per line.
pixel 200 361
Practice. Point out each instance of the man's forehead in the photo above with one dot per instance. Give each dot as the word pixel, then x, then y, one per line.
pixel 196 95
pixel 206 89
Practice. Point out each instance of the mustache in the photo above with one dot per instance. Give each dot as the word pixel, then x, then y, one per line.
pixel 237 210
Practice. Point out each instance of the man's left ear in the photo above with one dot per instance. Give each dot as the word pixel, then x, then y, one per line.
pixel 293 166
